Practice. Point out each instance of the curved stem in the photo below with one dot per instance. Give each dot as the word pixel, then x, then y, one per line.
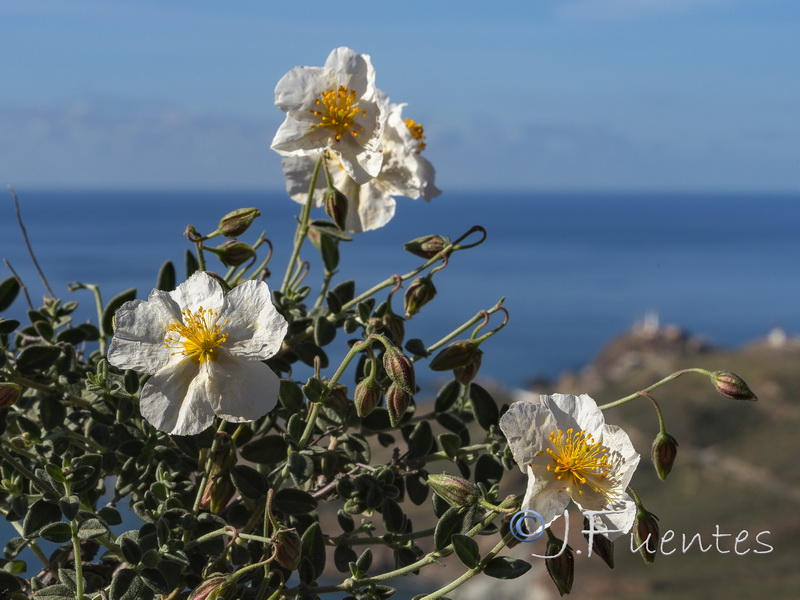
pixel 666 379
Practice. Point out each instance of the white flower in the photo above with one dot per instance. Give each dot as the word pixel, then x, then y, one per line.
pixel 569 453
pixel 333 107
pixel 371 205
pixel 204 349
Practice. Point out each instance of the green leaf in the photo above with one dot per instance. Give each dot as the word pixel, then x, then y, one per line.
pixel 153 579
pixel 301 467
pixel 270 449
pixel 447 396
pixel 313 547
pixel 40 514
pixel 91 528
pixel 449 523
pixel 292 501
pixel 112 307
pixel 345 292
pixel 488 470
pixel 420 441
pixel 364 562
pixel 483 407
pixel 467 550
pixel 191 263
pixel 110 515
pixel 8 582
pixel 417 487
pixel 330 252
pixel 394 519
pixel 290 396
pixel 55 592
pixel 8 292
pixel 250 483
pixel 68 578
pixel 324 331
pixel 342 557
pixel 130 550
pixel 166 280
pixel 8 325
pixel 326 228
pixel 505 567
pixel 451 444
pixel 59 532
pixel 36 358
pixel 70 505
pixel 125 585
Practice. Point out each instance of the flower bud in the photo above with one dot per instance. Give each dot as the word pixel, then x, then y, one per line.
pixel 427 246
pixel 464 375
pixel 233 253
pixel 219 487
pixel 394 327
pixel 213 587
pixel 419 293
pixel 454 490
pixel 335 203
pixel 236 223
pixel 287 547
pixel 337 399
pixel 9 394
pixel 646 534
pixel 367 396
pixel 397 403
pixel 601 545
pixel 457 354
pixel 731 386
pixel 663 453
pixel 560 568
pixel 399 369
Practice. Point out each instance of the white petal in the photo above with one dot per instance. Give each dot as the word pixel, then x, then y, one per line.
pixel 255 328
pixel 579 412
pixel 298 89
pixel 175 400
pixel 547 500
pixel 619 521
pixel 353 70
pixel 527 426
pixel 372 210
pixel 242 390
pixel 298 171
pixel 139 332
pixel 199 290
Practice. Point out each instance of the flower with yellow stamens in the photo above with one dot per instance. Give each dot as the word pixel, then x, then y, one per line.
pixel 333 108
pixel 569 453
pixel 204 349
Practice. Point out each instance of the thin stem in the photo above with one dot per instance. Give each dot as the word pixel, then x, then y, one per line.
pixel 28 243
pixel 76 550
pixel 666 379
pixel 661 426
pixel 22 285
pixel 472 572
pixel 35 385
pixel 302 228
pixel 481 315
pixel 24 471
pixel 33 546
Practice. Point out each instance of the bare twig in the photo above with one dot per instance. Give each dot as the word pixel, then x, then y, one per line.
pixel 28 243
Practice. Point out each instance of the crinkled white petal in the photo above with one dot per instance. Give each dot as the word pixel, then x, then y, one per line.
pixel 139 332
pixel 255 328
pixel 549 501
pixel 619 521
pixel 581 411
pixel 355 71
pixel 242 390
pixel 176 400
pixel 199 290
pixel 527 426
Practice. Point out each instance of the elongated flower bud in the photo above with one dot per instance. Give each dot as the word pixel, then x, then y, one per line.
pixel 335 203
pixel 560 568
pixel 646 534
pixel 233 253
pixel 664 450
pixel 454 490
pixel 427 246
pixel 213 587
pixel 9 394
pixel 732 386
pixel 601 545
pixel 287 548
pixel 366 397
pixel 464 375
pixel 419 293
pixel 237 222
pixel 400 369
pixel 397 403
pixel 457 354
pixel 219 487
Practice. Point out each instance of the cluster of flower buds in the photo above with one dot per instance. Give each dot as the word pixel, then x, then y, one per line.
pixel 731 386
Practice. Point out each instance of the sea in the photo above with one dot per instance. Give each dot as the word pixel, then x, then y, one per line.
pixel 575 269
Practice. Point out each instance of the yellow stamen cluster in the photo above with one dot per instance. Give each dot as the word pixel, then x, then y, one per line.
pixel 338 112
pixel 417 132
pixel 200 333
pixel 579 459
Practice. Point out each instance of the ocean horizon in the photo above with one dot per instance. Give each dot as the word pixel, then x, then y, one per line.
pixel 576 268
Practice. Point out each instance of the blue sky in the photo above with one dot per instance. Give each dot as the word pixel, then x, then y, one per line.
pixel 552 94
